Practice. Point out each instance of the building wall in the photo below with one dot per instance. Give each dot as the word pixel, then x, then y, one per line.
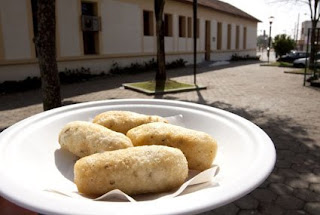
pixel 16 34
pixel 68 28
pixel 121 37
pixel 304 34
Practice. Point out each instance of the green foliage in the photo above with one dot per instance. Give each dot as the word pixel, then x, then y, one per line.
pixel 283 44
pixel 169 85
pixel 134 68
pixel 66 77
pixel 236 57
pixel 69 76
pixel 17 86
pixel 278 64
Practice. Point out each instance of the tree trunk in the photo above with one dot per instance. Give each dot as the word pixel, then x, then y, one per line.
pixel 161 70
pixel 313 50
pixel 46 49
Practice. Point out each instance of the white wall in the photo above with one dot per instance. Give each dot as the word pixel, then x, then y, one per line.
pixel 122 28
pixel 224 36
pixel 213 35
pixel 251 37
pixel 68 27
pixel 233 36
pixel 121 35
pixel 14 21
pixel 241 37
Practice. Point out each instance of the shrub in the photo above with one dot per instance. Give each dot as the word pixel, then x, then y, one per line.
pixel 236 57
pixel 75 75
pixel 283 44
pixel 134 68
pixel 66 77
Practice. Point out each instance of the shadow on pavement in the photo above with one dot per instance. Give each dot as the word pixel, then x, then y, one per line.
pixel 297 166
pixel 23 99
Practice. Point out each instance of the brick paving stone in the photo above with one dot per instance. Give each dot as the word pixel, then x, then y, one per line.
pixel 315 187
pixel 295 212
pixel 264 195
pixel 249 212
pixel 264 95
pixel 288 173
pixel 307 195
pixel 302 168
pixel 283 163
pixel 289 202
pixel 247 202
pixel 316 171
pixel 276 177
pixel 297 183
pixel 281 189
pixel 265 184
pixel 311 177
pixel 285 154
pixel 313 208
pixel 267 208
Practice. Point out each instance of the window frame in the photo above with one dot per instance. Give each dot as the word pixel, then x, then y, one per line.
pixel 148 31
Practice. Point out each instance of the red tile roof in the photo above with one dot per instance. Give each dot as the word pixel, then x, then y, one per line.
pixel 223 7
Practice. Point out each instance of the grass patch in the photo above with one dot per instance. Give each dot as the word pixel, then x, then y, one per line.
pixel 299 72
pixel 278 64
pixel 149 87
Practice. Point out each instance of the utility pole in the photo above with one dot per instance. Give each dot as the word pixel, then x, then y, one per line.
pixel 297 28
pixel 269 42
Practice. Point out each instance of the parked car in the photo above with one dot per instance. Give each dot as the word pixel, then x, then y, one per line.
pixel 292 56
pixel 301 62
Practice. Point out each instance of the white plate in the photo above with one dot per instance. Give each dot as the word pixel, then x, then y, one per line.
pixel 28 162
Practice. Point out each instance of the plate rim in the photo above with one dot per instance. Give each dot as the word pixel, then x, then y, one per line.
pixel 196 209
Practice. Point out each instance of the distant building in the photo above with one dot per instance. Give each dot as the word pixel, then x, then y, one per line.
pixel 302 43
pixel 97 33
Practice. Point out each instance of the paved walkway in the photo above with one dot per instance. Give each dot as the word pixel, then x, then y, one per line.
pixel 277 102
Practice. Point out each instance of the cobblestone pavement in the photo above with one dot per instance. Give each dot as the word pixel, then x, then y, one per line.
pixel 277 102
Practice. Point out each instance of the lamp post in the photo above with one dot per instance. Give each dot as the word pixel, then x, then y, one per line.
pixel 269 42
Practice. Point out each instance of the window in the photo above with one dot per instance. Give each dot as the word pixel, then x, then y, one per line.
pixel 168 25
pixel 189 27
pixel 147 23
pixel 302 31
pixel 182 26
pixel 237 36
pixel 219 35
pixel 90 38
pixel 229 37
pixel 245 38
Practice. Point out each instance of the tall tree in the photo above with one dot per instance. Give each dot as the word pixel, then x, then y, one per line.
pixel 46 48
pixel 161 75
pixel 283 44
pixel 314 15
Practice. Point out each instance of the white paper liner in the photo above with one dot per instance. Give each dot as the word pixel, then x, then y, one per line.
pixel 206 177
pixel 196 181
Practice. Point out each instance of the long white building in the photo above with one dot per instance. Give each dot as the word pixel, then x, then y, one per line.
pixel 97 33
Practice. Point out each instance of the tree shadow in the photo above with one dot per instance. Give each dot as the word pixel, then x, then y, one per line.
pixel 32 97
pixel 297 164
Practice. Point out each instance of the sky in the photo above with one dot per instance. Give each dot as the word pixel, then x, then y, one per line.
pixel 285 15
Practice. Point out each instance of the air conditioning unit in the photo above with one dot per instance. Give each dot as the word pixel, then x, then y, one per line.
pixel 90 23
